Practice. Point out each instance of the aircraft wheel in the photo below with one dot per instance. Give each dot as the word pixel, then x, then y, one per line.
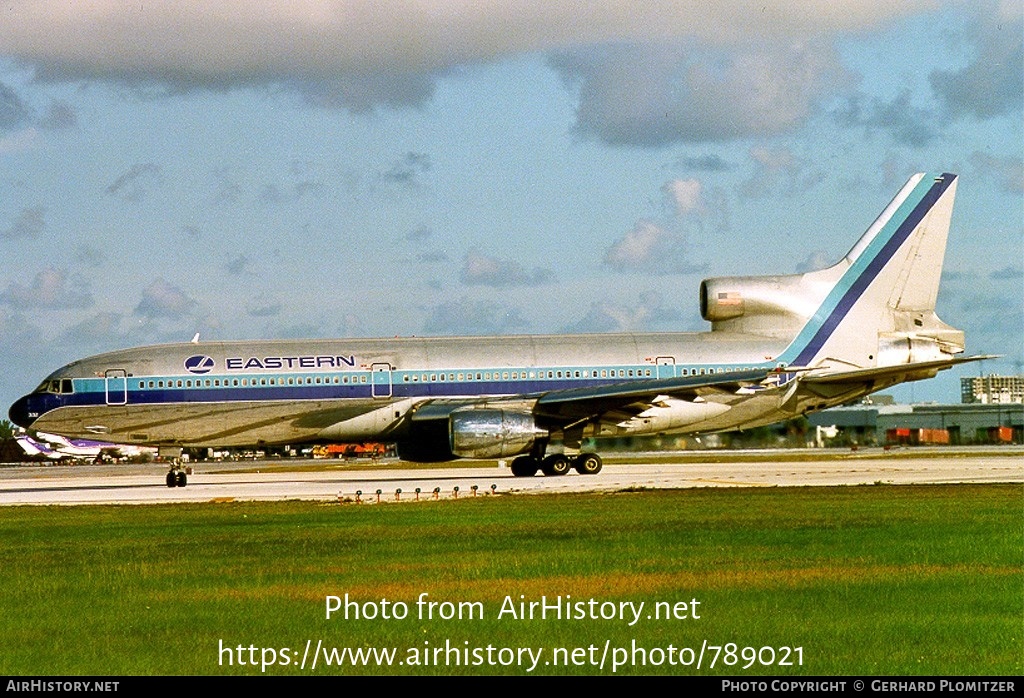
pixel 172 481
pixel 180 479
pixel 555 465
pixel 524 466
pixel 588 464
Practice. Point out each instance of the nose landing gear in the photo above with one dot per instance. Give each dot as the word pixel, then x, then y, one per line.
pixel 176 477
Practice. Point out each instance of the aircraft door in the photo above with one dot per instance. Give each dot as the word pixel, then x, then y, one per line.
pixel 380 376
pixel 116 386
pixel 666 367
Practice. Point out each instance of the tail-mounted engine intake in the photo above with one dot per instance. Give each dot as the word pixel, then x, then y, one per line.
pixel 492 433
pixel 772 305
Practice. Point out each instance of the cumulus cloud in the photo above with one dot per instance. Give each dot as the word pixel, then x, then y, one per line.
pixel 993 83
pixel 302 183
pixel 818 259
pixel 134 184
pixel 60 115
pixel 99 329
pixel 418 234
pixel 647 312
pixel 25 139
pixel 226 188
pixel 27 224
pixel 686 195
pixel 360 53
pixel 656 95
pixel 16 333
pixel 265 307
pixel 407 170
pixel 906 123
pixel 164 300
pixel 51 289
pixel 14 113
pixel 472 316
pixel 778 170
pixel 661 245
pixel 239 265
pixel 702 163
pixel 651 248
pixel 479 269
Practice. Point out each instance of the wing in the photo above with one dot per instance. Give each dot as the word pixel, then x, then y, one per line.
pixel 629 399
pixel 615 402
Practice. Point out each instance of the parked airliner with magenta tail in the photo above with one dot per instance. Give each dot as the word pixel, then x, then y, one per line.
pixel 779 346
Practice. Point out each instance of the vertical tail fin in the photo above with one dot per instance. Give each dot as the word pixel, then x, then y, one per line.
pixel 880 309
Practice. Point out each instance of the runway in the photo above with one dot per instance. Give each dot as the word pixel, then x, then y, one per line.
pixel 269 480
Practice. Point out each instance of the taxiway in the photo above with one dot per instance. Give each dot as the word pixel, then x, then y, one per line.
pixel 277 480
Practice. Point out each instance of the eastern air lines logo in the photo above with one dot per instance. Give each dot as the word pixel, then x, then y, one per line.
pixel 199 364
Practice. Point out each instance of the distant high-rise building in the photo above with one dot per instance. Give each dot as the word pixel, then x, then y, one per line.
pixel 992 389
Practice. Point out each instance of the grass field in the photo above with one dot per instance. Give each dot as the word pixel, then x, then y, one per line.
pixel 866 580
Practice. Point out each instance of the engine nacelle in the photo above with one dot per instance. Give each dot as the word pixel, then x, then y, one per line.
pixel 894 350
pixel 492 433
pixel 426 442
pixel 771 305
pixel 668 414
pixel 728 297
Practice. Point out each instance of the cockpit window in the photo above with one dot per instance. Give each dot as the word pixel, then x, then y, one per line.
pixel 57 386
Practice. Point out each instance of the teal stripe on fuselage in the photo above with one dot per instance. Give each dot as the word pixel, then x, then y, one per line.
pixel 403 384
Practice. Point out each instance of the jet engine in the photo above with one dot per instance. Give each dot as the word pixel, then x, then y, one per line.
pixel 492 433
pixel 769 305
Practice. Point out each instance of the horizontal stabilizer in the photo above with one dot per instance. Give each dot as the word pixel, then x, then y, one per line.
pixel 870 374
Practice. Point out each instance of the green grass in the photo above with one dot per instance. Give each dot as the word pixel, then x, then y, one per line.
pixel 867 580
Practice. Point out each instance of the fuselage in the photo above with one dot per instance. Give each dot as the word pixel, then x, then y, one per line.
pixel 289 391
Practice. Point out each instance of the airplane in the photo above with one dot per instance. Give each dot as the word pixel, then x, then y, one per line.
pixel 55 447
pixel 779 346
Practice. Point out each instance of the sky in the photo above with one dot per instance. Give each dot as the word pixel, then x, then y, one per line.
pixel 362 168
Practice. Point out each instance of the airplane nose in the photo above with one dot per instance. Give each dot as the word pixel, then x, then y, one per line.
pixel 19 412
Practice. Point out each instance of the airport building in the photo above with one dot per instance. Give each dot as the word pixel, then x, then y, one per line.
pixel 987 390
pixel 873 424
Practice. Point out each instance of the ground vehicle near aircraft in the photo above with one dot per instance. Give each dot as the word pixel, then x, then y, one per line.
pixel 778 346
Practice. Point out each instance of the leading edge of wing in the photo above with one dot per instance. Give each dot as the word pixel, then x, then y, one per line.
pixel 582 402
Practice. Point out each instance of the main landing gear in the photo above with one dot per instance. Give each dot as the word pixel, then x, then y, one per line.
pixel 176 476
pixel 557 464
